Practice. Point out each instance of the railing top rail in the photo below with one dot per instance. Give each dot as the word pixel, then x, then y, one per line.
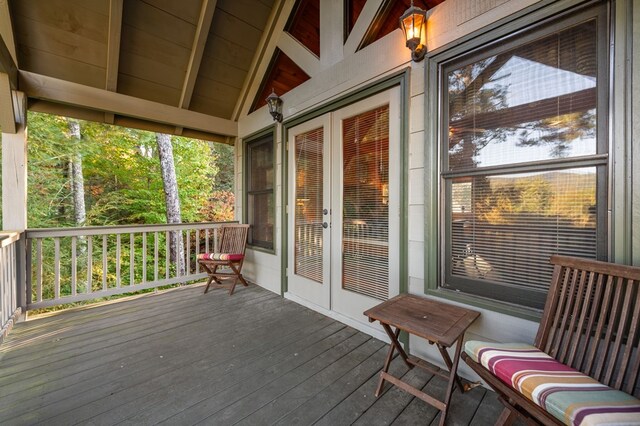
pixel 7 238
pixel 120 229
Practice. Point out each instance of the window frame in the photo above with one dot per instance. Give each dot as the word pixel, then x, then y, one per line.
pixel 500 38
pixel 253 141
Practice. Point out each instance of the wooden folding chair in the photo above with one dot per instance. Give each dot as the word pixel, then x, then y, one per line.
pixel 224 265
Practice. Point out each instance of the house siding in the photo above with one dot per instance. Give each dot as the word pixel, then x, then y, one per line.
pixel 449 22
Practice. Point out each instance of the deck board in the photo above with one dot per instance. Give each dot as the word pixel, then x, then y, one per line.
pixel 183 357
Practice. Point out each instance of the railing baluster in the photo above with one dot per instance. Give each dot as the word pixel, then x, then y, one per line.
pixel 39 270
pixel 89 264
pixel 144 257
pixel 156 244
pixel 206 241
pixel 188 256
pixel 104 262
pixel 74 265
pixel 118 260
pixel 197 250
pixel 56 279
pixel 132 270
pixel 167 254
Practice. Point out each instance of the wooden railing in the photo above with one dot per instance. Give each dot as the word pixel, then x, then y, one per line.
pixel 9 281
pixel 75 264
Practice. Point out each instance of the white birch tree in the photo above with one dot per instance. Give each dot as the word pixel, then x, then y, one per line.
pixel 76 176
pixel 172 200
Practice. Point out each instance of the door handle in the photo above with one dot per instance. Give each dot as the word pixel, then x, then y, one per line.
pixel 325 225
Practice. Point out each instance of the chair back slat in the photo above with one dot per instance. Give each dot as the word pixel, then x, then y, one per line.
pixel 234 238
pixel 591 320
pixel 629 349
pixel 582 338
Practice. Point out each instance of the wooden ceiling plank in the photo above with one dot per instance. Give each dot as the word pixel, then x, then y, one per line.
pixel 41 62
pixel 113 50
pixel 368 14
pixel 299 54
pixel 268 44
pixel 199 41
pixel 52 89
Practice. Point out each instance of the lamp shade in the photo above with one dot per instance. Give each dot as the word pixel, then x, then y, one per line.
pixel 274 104
pixel 414 25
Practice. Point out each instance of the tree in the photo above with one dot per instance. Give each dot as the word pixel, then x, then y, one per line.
pixel 77 179
pixel 172 200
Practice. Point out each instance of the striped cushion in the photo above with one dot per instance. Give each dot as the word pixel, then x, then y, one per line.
pixel 569 395
pixel 220 256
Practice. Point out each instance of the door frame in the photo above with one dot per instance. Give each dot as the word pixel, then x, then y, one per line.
pixel 400 79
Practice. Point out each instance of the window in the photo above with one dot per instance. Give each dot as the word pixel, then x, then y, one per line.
pixel 260 201
pixel 524 158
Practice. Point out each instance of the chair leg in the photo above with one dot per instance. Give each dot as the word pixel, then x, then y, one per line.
pixel 206 289
pixel 507 417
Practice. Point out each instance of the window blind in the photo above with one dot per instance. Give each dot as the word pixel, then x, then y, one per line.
pixel 309 204
pixel 537 103
pixel 365 233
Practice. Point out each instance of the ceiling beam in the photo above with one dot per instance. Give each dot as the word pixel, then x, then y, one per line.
pixel 197 50
pixel 268 43
pixel 299 54
pixel 113 49
pixel 199 41
pixel 7 113
pixel 368 14
pixel 61 91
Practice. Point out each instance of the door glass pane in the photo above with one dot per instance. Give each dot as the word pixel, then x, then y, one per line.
pixel 365 239
pixel 309 205
pixel 530 103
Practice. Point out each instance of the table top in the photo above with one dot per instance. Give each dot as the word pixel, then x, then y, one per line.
pixel 432 320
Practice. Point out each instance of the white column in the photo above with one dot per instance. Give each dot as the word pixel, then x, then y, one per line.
pixel 14 173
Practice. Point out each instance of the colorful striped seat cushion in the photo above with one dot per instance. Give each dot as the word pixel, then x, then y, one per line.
pixel 221 256
pixel 569 395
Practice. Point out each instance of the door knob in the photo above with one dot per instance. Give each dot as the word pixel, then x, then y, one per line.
pixel 325 225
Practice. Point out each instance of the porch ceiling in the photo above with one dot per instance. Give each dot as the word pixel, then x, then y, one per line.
pixel 174 66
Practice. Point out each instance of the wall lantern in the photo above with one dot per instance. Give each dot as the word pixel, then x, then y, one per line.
pixel 414 25
pixel 275 106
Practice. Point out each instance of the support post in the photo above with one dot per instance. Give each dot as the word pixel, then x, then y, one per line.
pixel 14 191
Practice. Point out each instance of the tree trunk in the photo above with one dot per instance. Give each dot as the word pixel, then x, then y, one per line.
pixel 172 201
pixel 77 179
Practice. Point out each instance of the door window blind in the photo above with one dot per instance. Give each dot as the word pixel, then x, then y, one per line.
pixel 365 233
pixel 309 204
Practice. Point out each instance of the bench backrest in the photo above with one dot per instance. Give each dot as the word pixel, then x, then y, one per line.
pixel 234 238
pixel 591 320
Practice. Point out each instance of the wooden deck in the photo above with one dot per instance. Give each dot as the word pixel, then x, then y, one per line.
pixel 181 357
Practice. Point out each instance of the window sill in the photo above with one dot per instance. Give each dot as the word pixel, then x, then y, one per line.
pixel 261 249
pixel 530 314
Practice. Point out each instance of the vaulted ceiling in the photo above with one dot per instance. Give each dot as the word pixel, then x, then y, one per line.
pixel 177 66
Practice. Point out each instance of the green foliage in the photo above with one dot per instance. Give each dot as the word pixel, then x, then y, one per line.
pixel 123 182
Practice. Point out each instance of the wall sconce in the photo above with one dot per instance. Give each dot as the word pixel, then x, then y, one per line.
pixel 275 106
pixel 414 25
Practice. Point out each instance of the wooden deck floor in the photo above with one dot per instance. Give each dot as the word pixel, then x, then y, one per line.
pixel 180 357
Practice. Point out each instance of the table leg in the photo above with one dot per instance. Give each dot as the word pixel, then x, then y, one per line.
pixel 394 342
pixel 387 361
pixel 453 377
pixel 449 364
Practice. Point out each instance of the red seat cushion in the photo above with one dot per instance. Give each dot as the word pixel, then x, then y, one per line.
pixel 233 257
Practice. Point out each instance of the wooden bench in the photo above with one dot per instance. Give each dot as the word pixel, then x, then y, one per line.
pixel 590 325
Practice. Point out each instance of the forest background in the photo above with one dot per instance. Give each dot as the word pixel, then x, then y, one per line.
pixel 117 172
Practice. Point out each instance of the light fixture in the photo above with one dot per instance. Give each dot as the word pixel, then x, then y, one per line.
pixel 275 106
pixel 414 25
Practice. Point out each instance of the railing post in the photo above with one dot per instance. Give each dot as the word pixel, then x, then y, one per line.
pixel 23 274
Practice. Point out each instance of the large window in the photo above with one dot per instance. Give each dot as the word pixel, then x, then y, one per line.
pixel 260 197
pixel 524 158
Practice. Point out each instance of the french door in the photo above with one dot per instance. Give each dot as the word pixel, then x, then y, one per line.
pixel 344 206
